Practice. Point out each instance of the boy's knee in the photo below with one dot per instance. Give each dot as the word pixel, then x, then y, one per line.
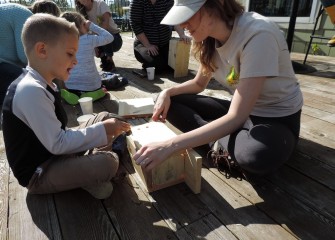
pixel 108 163
pixel 111 162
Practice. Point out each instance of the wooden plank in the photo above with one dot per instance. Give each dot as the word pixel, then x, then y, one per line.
pixel 108 104
pixel 193 165
pixel 235 210
pixel 283 207
pixel 4 178
pixel 81 216
pixel 314 195
pixel 318 131
pixel 207 227
pixel 176 204
pixel 179 54
pixel 315 103
pixel 132 212
pixel 314 82
pixel 179 205
pixel 314 94
pixel 318 113
pixel 317 151
pixel 314 169
pixel 31 216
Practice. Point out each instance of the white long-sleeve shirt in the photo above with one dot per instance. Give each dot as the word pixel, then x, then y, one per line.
pixel 85 76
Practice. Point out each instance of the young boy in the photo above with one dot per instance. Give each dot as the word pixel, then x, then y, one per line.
pixel 43 154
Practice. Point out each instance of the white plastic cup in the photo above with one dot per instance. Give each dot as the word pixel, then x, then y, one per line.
pixel 84 118
pixel 86 104
pixel 151 73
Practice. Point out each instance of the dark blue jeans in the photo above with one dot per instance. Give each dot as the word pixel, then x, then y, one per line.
pixel 8 73
pixel 259 147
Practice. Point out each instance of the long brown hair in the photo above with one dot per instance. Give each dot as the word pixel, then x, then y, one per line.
pixel 81 8
pixel 45 6
pixel 75 17
pixel 227 11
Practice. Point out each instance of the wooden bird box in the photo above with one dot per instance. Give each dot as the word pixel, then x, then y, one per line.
pixel 184 166
pixel 179 54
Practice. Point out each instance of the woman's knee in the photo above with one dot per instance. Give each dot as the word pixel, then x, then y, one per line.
pixel 264 151
pixel 262 162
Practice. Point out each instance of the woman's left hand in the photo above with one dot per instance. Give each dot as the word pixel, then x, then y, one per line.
pixel 151 155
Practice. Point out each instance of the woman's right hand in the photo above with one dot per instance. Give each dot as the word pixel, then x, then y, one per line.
pixel 152 50
pixel 161 107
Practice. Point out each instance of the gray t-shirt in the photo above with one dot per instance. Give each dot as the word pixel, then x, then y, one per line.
pixel 99 8
pixel 257 48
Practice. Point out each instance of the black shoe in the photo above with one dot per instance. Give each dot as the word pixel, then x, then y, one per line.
pixel 225 163
pixel 141 73
pixel 114 81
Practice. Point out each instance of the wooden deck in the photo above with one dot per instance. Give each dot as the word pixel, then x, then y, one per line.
pixel 297 202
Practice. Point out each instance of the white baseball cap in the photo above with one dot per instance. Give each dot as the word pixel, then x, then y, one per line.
pixel 181 11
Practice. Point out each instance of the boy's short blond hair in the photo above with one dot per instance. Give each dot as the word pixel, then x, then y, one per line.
pixel 42 27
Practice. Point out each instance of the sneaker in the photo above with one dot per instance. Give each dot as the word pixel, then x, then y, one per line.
pixel 114 81
pixel 100 191
pixel 141 73
pixel 225 163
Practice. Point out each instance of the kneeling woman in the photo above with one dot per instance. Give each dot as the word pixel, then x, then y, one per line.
pixel 258 129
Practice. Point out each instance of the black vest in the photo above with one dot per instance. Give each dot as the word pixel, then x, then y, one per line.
pixel 24 151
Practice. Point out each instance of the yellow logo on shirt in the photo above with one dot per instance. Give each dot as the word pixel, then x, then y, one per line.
pixel 99 20
pixel 232 77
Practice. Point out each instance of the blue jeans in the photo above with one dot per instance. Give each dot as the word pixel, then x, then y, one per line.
pixel 8 72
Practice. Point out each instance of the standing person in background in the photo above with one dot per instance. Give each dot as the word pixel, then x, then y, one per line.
pixel 45 6
pixel 12 56
pixel 85 80
pixel 257 131
pixel 151 46
pixel 98 12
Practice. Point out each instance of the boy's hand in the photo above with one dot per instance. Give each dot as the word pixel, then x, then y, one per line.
pixel 115 127
pixel 87 25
